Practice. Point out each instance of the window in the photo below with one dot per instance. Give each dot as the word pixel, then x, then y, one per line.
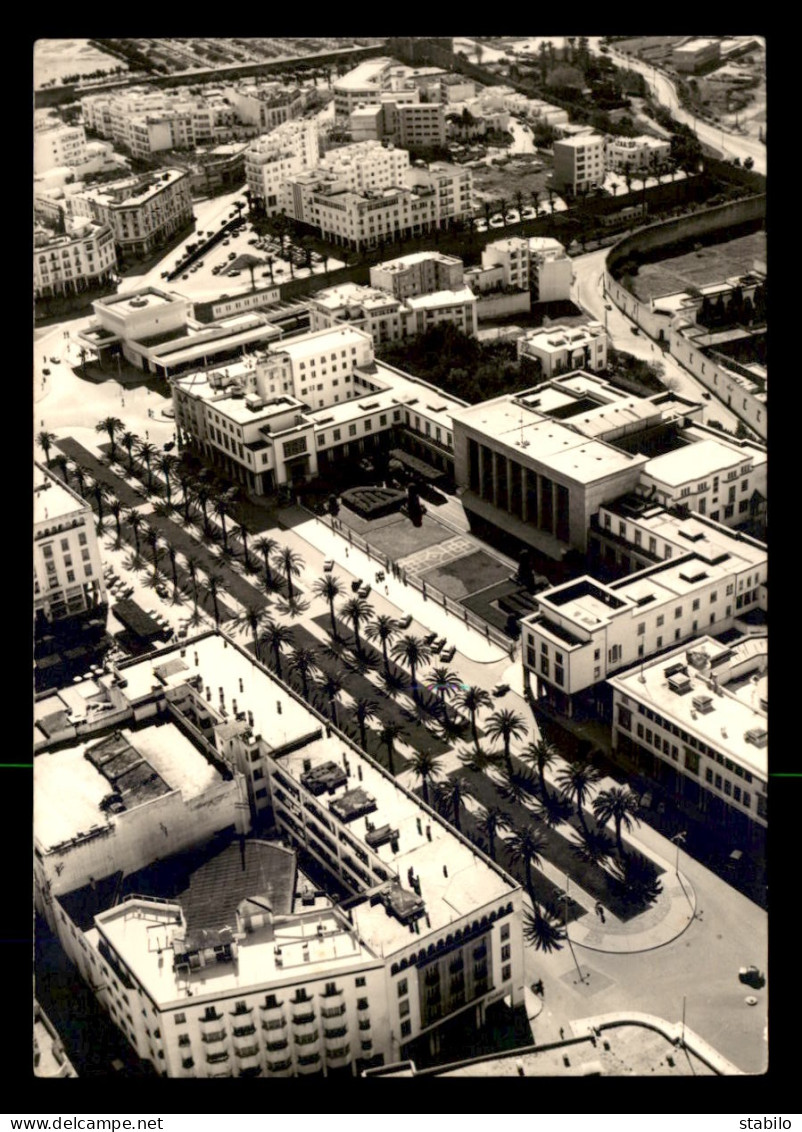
pixel 352 430
pixel 641 628
pixel 402 988
pixel 506 973
pixel 505 931
pixel 360 982
pixel 179 1019
pixel 505 952
pixel 403 1007
pixel 660 620
pixel 678 612
pixel 406 1029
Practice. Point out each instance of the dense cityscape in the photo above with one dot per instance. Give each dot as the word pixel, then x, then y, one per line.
pixel 400 565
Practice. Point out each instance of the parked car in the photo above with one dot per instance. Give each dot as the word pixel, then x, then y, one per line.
pixel 501 690
pixel 328 566
pixel 216 269
pixel 751 976
pixel 226 242
pixel 447 655
pixel 235 273
pixel 46 372
pixel 232 255
pixel 253 241
pixel 186 276
pixel 405 621
pixel 55 361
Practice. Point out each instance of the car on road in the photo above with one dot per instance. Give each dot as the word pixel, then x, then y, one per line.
pixel 235 273
pixel 226 242
pixel 751 976
pixel 528 213
pixel 253 241
pixel 232 255
pixel 501 690
pixel 46 372
pixel 706 395
pixel 511 217
pixel 55 361
pixel 405 621
pixel 216 269
pixel 185 276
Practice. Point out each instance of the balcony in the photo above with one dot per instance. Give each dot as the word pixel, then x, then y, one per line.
pixel 247 1051
pixel 303 1019
pixel 338 1032
pixel 275 1023
pixel 244 1031
pixel 339 1053
pixel 364 1023
pixel 215 1058
pixel 307 1039
pixel 333 1011
pixel 214 1036
pixel 275 1047
pixel 279 1066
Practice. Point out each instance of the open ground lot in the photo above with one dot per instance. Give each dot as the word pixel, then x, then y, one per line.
pixel 708 265
pixel 396 536
pixel 463 576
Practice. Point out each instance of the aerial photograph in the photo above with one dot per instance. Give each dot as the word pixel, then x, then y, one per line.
pixel 378 732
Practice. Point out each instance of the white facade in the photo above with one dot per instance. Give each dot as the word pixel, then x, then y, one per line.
pixel 67 568
pixel 143 212
pixel 56 144
pixel 266 105
pixel 82 258
pixel 145 121
pixel 642 153
pixel 562 348
pixel 551 271
pixel 273 159
pixel 578 164
pixel 366 165
pixel 421 125
pixel 418 274
pixel 512 256
pixel 362 84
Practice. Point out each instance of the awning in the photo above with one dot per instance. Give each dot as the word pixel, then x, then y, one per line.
pixel 415 464
pixel 136 619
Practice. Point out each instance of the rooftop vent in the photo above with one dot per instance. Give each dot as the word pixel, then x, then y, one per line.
pixel 679 683
pixel 757 736
pixel 703 703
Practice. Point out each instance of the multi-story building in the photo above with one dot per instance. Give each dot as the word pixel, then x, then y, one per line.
pixel 696 54
pixel 418 274
pixel 307 404
pixel 585 631
pixel 366 123
pixel 143 212
pixel 67 569
pixel 451 184
pixel 511 255
pixel 266 105
pixel 365 165
pixel 275 158
pixel 710 474
pixel 694 719
pixel 534 467
pixel 56 144
pixel 640 154
pixel 421 125
pixel 388 319
pixel 364 219
pixel 456 88
pixel 230 962
pixel 361 85
pixel 145 121
pixel 578 164
pixel 560 349
pixel 79 258
pixel 538 263
pixel 550 270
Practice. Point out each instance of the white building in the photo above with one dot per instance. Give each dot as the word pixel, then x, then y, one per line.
pixel 550 269
pixel 67 568
pixel 275 158
pixel 695 720
pixel 695 54
pixel 143 212
pixel 362 84
pixel 560 349
pixel 388 319
pixel 640 154
pixel 421 125
pixel 266 105
pixel 418 274
pixel 80 258
pixel 56 144
pixel 235 966
pixel 365 165
pixel 578 164
pixel 145 121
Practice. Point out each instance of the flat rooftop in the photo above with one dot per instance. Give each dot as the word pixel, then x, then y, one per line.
pixel 725 718
pixel 403 262
pixel 135 301
pixel 52 499
pixel 695 462
pixel 70 783
pixel 441 299
pixel 365 74
pixel 707 539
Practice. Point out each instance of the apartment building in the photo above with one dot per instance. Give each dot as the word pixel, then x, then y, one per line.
pixel 585 631
pixel 421 125
pixel 275 158
pixel 361 85
pixel 511 256
pixel 559 349
pixel 578 164
pixel 420 273
pixel 451 184
pixel 723 478
pixel 429 927
pixel 388 319
pixel 67 568
pixel 640 154
pixel 56 144
pixel 366 123
pixel 362 166
pixel 144 121
pixel 695 720
pixel 534 467
pixel 81 257
pixel 550 270
pixel 266 105
pixel 456 88
pixel 143 212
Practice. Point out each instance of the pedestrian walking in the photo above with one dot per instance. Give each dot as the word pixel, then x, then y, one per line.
pixel 562 1033
pixel 387 591
pixel 346 552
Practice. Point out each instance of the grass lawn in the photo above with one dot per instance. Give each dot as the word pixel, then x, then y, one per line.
pixel 466 575
pixel 395 535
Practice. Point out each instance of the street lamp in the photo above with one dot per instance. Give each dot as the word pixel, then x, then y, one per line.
pixel 678 839
pixel 564 901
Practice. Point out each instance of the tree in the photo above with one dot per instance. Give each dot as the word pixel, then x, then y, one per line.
pixel 136 522
pixel 450 795
pixel 332 685
pixel 111 426
pixel 243 534
pixel 357 610
pixel 291 563
pixel 148 452
pixel 384 629
pixel 130 441
pixel 426 766
pixel 115 507
pixel 330 588
pixel 276 636
pixel 388 735
pixel 265 546
pixel 222 507
pixel 749 163
pixel 214 584
pixel 413 652
pixel 472 700
pixel 364 710
pixel 619 805
pixel 492 822
pixel 303 662
pixel 541 932
pixel 193 565
pixel 101 493
pixel 45 440
pixel 525 846
pixel 505 725
pixel 251 618
pixel 185 479
pixel 152 538
pixel 540 754
pixel 445 684
pixel 172 553
pixel 576 780
pixel 167 465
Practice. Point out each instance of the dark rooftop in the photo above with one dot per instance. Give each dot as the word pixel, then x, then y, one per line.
pixel 353 804
pixel 127 772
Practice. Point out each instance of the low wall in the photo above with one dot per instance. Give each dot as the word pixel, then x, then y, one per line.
pixel 498 306
pixel 723 384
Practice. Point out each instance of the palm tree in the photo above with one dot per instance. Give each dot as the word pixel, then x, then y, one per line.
pixel 202 494
pixel 357 610
pixel 445 684
pixel 243 534
pixel 111 426
pixel 332 685
pixel 413 652
pixel 148 452
pixel 276 636
pixel 471 700
pixel 383 628
pixel 115 507
pixel 45 440
pixel 172 553
pixel 505 725
pixel 185 479
pixel 251 619
pixel 576 781
pixel 519 202
pixel 136 522
pixel 152 539
pixel 80 476
pixel 493 821
pixel 391 731
pixel 222 507
pixel 270 260
pixel 214 584
pixel 193 565
pixel 100 492
pixel 365 709
pixel 426 766
pixel 265 546
pixel 516 788
pixel 451 793
pixel 302 661
pixel 526 847
pixel 541 932
pixel 60 462
pixel 540 754
pixel 330 588
pixel 167 465
pixel 130 441
pixel 552 195
pixel 619 804
pixel 291 563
